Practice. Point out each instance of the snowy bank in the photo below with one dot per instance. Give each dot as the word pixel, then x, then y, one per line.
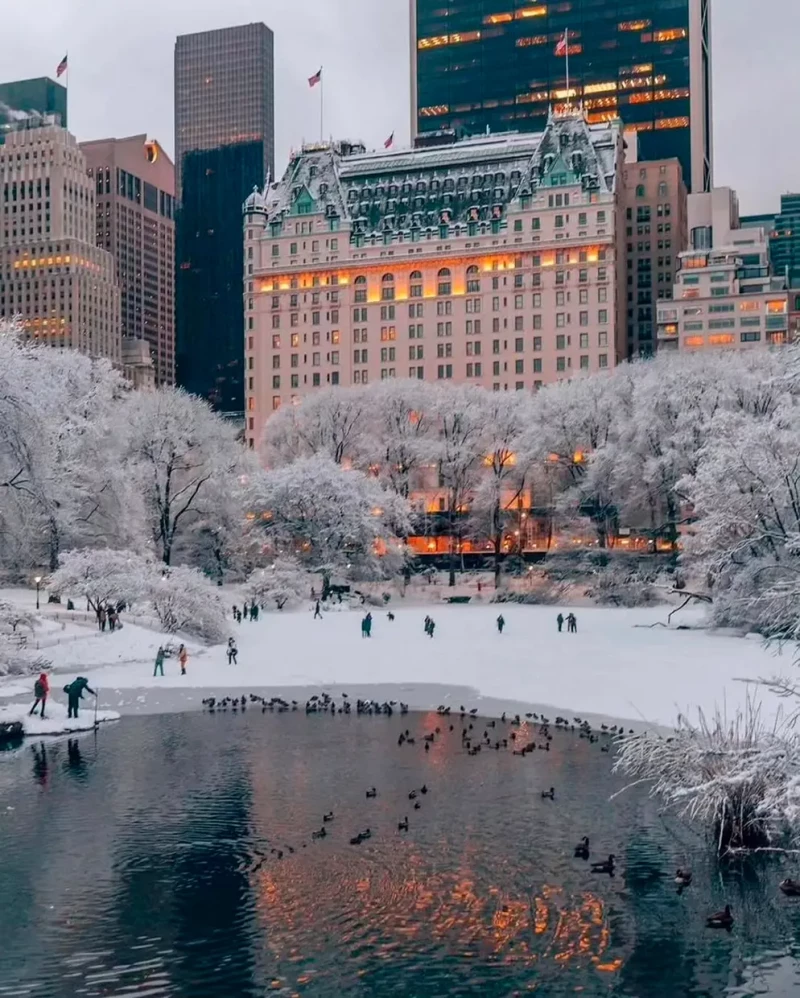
pixel 56 721
pixel 616 666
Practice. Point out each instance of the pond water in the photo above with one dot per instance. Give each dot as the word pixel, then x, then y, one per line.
pixel 140 862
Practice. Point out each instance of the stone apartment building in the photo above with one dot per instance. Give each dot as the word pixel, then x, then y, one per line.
pixel 497 261
pixel 52 274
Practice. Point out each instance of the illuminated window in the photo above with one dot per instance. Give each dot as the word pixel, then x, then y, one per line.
pixel 721 339
pixel 525 12
pixel 634 25
pixel 498 18
pixel 774 307
pixel 600 88
pixel 669 35
pixel 672 123
pixel 749 306
pixel 693 341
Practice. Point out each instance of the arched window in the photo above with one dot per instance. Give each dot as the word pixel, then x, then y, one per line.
pixel 473 280
pixel 445 285
pixel 387 287
pixel 640 191
pixel 361 289
pixel 415 284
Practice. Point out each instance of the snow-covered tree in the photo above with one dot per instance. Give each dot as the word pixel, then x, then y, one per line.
pixel 186 602
pixel 185 460
pixel 329 517
pixel 102 576
pixel 329 422
pixel 507 460
pixel 282 583
pixel 17 657
pixel 400 430
pixel 460 415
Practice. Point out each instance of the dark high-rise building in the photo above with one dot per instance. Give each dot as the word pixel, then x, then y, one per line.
pixel 224 146
pixel 41 96
pixel 500 65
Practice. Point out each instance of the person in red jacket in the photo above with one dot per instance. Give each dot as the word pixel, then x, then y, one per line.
pixel 40 690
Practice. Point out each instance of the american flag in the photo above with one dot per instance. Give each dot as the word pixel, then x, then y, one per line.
pixel 389 142
pixel 316 78
pixel 561 48
pixel 61 68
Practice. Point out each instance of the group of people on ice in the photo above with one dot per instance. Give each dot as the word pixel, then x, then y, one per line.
pixel 74 691
pixel 572 623
pixel 162 653
pixel 247 612
pixel 108 616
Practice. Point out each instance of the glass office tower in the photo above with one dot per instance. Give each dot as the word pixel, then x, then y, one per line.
pixel 224 146
pixel 500 65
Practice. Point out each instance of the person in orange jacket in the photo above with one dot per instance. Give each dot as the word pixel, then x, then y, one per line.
pixel 183 658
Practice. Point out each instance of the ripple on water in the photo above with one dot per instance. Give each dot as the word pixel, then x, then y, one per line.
pixel 156 871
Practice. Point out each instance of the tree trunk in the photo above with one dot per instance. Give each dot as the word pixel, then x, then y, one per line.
pixel 55 543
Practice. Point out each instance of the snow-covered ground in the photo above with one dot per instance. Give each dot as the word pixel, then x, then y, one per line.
pixel 614 667
pixel 56 721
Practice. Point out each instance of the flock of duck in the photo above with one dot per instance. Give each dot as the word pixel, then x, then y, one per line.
pixel 473 743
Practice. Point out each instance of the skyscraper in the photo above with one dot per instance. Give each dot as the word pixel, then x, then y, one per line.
pixel 224 146
pixel 41 96
pixel 135 221
pixel 52 275
pixel 500 65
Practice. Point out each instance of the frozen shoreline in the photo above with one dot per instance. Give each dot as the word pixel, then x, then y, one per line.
pixel 615 668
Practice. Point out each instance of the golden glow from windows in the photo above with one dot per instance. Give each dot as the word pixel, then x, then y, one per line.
pixel 750 306
pixel 671 329
pixel 640 126
pixel 51 261
pixel 693 341
pixel 675 94
pixel 456 39
pixel 532 40
pixel 721 339
pixel 669 35
pixel 598 117
pixel 599 102
pixel 776 307
pixel 633 25
pixel 535 97
pixel 524 12
pixel 433 110
pixel 564 94
pixel 600 88
pixel 498 18
pixel 672 123
pixel 642 81
pixel 643 67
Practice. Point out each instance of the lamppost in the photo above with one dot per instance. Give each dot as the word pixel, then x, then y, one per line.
pixel 38 581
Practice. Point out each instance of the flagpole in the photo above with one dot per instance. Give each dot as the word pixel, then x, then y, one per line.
pixel 566 53
pixel 321 103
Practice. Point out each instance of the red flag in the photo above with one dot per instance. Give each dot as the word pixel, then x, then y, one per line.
pixel 316 78
pixel 389 142
pixel 62 67
pixel 561 48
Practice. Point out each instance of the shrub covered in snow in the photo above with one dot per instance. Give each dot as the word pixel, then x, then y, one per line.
pixel 283 583
pixel 736 778
pixel 16 629
pixel 185 601
pixel 102 577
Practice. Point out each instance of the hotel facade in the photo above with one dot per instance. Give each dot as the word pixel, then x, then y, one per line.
pixel 498 261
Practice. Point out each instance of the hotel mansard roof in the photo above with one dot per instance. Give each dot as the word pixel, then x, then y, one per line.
pixel 472 180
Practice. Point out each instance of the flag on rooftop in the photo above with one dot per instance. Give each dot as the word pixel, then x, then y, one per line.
pixel 62 67
pixel 389 142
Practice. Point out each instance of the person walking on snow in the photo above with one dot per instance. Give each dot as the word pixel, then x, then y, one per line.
pixel 183 658
pixel 245 611
pixel 431 626
pixel 318 611
pixel 368 622
pixel 427 623
pixel 560 621
pixel 572 624
pixel 74 691
pixel 159 661
pixel 40 690
pixel 501 623
pixel 233 651
pixel 254 611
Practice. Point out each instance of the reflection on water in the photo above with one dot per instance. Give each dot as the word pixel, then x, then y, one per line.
pixel 172 856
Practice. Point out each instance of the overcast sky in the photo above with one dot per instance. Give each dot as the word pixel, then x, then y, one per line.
pixel 121 52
